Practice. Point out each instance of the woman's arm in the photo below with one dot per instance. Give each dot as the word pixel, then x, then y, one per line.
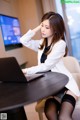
pixel 52 59
pixel 27 40
pixel 37 28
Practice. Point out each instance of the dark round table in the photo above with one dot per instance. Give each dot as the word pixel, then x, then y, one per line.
pixel 13 96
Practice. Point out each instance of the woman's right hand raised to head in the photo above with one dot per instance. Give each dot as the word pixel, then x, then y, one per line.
pixel 37 28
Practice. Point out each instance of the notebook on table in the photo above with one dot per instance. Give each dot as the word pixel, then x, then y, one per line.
pixel 10 71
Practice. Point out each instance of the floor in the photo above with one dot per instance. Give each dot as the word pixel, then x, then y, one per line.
pixel 31 113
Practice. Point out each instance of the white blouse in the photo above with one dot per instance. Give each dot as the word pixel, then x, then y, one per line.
pixel 53 62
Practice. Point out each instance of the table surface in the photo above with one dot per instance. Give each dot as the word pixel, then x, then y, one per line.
pixel 14 95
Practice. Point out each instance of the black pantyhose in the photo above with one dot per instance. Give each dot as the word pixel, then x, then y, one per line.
pixel 51 109
pixel 67 107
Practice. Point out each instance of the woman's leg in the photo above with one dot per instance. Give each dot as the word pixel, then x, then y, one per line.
pixel 51 109
pixel 67 106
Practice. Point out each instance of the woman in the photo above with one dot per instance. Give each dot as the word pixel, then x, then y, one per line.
pixel 51 49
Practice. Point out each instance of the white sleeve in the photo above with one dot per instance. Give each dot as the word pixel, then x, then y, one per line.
pixel 56 54
pixel 27 40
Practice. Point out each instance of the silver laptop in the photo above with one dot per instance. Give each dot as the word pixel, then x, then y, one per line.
pixel 10 71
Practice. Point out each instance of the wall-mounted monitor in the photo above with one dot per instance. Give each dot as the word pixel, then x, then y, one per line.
pixel 11 33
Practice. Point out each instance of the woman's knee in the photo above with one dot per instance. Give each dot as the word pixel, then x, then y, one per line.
pixel 51 112
pixel 62 117
pixel 51 108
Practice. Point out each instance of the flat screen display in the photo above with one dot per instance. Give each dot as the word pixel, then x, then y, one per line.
pixel 11 33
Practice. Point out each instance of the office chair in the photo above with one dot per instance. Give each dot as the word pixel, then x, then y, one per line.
pixel 72 65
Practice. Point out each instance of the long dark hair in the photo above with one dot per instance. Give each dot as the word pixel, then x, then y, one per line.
pixel 57 26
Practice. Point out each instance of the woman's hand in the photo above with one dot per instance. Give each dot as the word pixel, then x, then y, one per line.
pixel 24 71
pixel 37 28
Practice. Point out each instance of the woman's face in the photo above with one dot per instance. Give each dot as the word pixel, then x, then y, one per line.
pixel 46 30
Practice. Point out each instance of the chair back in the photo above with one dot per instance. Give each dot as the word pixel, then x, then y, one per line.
pixel 71 64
